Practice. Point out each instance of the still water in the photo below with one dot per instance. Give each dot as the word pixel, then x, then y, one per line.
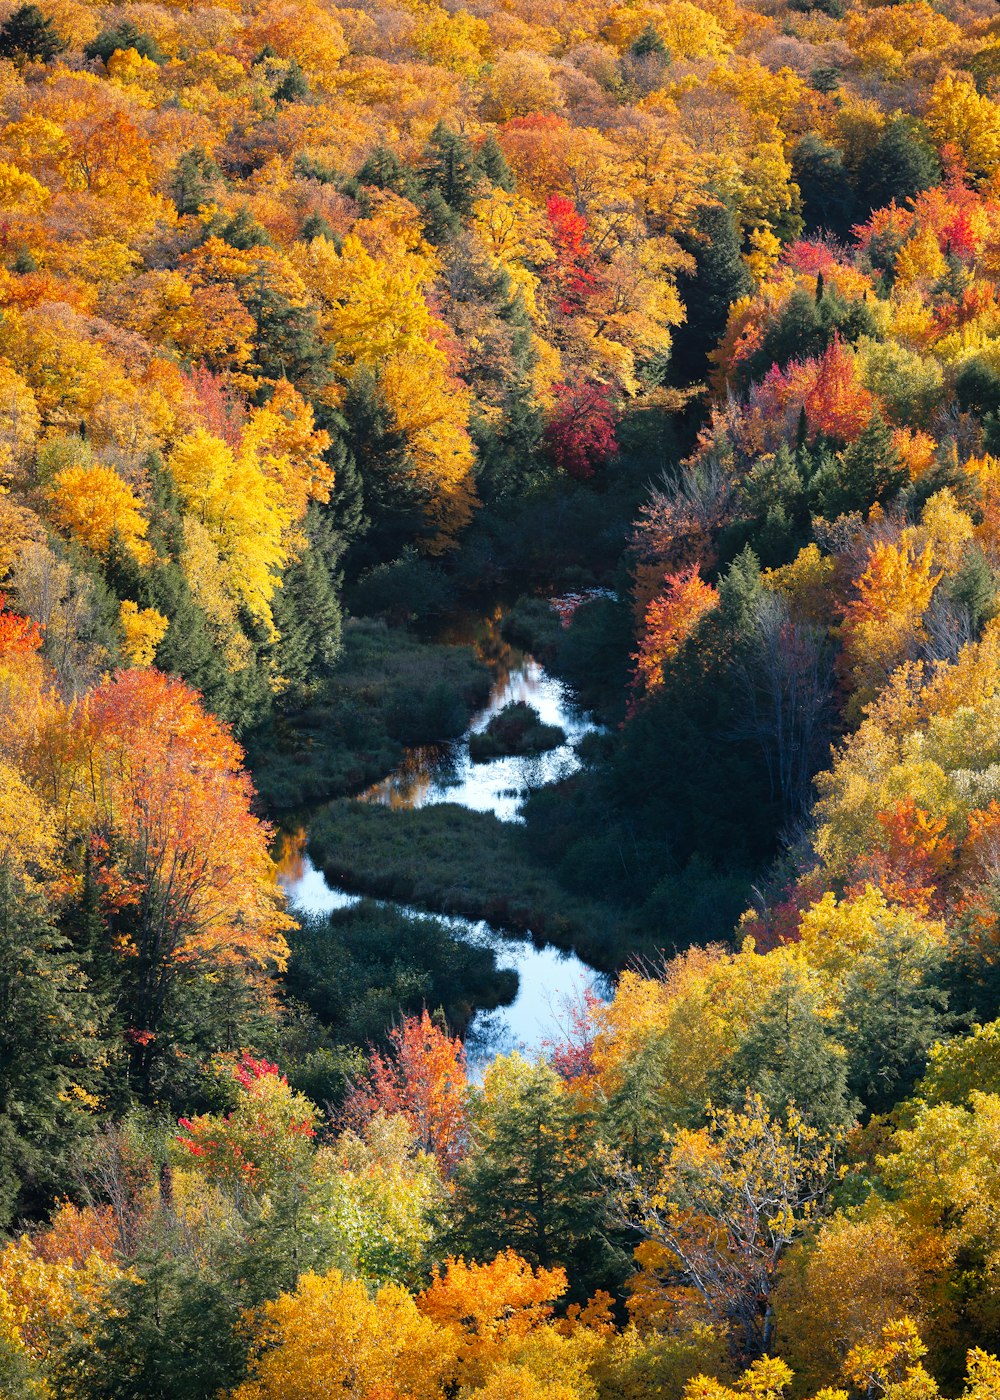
pixel 550 982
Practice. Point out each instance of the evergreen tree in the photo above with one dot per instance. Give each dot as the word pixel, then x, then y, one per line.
pixel 491 160
pixel 287 343
pixel 788 1056
pixel 867 471
pixel 191 181
pixel 27 34
pixel 47 1027
pixel 893 1010
pixel 124 36
pixel 827 197
pixel 900 164
pixel 172 1333
pixel 386 171
pixel 719 278
pixel 450 167
pixel 528 1183
pixel 294 85
pixel 307 609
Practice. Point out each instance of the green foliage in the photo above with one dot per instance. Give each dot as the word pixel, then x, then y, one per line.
pixel 362 969
pixel 900 164
pixel 48 1047
pixel 827 196
pixel 124 36
pixel 28 34
pixel 720 277
pixel 528 1182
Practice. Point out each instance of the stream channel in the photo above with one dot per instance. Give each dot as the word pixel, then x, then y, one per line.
pixel 550 981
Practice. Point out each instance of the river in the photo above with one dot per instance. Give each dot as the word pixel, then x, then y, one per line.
pixel 550 982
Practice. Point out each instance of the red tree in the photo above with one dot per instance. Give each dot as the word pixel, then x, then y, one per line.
pixel 581 435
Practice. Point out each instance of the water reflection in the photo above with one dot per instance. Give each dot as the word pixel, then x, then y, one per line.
pixel 549 980
pixel 446 773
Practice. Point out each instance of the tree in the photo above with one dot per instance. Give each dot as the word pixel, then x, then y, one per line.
pixel 725 1203
pixel 718 279
pixel 898 167
pixel 124 36
pixel 527 1182
pixel 172 1333
pixel 93 504
pixel 423 1077
pixel 827 196
pixel 788 1058
pixel 450 168
pixel 490 1309
pixel 580 436
pixel 670 620
pixel 28 34
pixel 49 1023
pixel 158 787
pixel 330 1337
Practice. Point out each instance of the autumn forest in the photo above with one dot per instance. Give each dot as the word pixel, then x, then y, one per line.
pixel 497 493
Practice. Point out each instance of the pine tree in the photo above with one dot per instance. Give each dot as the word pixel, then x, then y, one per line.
pixel 491 160
pixel 867 471
pixel 528 1183
pixel 27 34
pixel 789 1058
pixel 720 276
pixel 191 181
pixel 47 1046
pixel 450 167
pixel 900 164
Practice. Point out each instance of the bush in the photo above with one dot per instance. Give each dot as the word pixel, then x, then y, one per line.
pixel 516 730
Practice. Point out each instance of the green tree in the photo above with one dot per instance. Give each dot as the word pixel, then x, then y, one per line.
pixel 27 34
pixel 867 471
pixel 790 1059
pixel 893 1010
pixel 48 1051
pixel 528 1182
pixel 124 36
pixel 827 197
pixel 450 167
pixel 900 164
pixel 170 1334
pixel 719 277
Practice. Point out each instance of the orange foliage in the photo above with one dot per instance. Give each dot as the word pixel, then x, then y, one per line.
pixel 670 620
pixel 422 1077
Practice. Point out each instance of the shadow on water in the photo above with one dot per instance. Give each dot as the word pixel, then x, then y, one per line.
pixel 549 980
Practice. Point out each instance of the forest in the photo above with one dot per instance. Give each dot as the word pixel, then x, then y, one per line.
pixel 348 351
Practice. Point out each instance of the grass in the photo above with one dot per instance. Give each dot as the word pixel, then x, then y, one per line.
pixel 516 730
pixel 451 860
pixel 388 690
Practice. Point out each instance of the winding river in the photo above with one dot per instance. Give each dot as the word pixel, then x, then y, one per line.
pixel 550 982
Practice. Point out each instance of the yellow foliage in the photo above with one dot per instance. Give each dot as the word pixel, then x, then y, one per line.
pixel 144 630
pixel 329 1337
pixel 94 505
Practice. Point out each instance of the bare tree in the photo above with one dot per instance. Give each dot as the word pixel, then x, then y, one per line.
pixel 785 674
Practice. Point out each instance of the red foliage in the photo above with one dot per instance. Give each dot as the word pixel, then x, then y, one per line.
pixel 573 270
pixel 573 1057
pixel 423 1077
pixel 913 861
pixel 670 620
pixel 581 435
pixel 19 636
pixel 221 410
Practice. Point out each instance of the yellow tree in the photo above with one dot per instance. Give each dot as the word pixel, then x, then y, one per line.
pixel 330 1337
pixel 724 1203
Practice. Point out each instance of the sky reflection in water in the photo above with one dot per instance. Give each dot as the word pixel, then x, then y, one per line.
pixel 549 980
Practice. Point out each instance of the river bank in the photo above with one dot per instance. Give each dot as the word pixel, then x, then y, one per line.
pixel 470 815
